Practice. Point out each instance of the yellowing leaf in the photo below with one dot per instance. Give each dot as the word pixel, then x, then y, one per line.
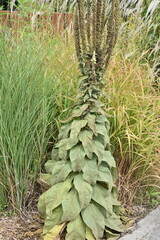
pixel 54 232
pixel 89 234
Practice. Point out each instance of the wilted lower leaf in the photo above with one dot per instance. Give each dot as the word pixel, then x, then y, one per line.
pixel 54 232
pixel 84 190
pixel 111 236
pixel 86 138
pixel 53 219
pixel 94 219
pixel 89 234
pixel 77 157
pixel 113 222
pixel 71 206
pixel 90 171
pixel 76 228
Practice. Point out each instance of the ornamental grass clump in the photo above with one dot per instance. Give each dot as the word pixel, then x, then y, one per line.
pixel 82 200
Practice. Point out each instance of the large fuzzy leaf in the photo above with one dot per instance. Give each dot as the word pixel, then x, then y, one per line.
pixel 76 127
pixel 98 149
pixel 90 171
pixel 53 197
pixel 54 154
pixel 65 145
pixel 77 157
pixel 100 196
pixel 104 175
pixel 53 219
pixel 60 172
pixel 91 118
pixel 49 165
pixel 94 219
pixel 84 190
pixel 113 222
pixel 71 206
pixel 87 142
pixel 109 159
pixel 76 228
pixel 64 133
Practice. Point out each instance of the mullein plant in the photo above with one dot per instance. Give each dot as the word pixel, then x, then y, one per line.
pixel 82 199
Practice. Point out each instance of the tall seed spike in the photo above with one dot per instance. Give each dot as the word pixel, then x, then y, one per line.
pixel 98 24
pixel 94 24
pixel 111 31
pixel 103 19
pixel 82 25
pixel 89 23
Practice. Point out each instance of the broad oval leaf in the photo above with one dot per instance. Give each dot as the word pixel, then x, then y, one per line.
pixel 113 222
pixel 98 149
pixel 71 206
pixel 77 157
pixel 84 190
pixel 104 175
pixel 76 228
pixel 49 165
pixel 85 137
pixel 60 172
pixel 64 132
pixel 91 118
pixel 90 171
pixel 94 219
pixel 100 196
pixel 76 127
pixel 109 159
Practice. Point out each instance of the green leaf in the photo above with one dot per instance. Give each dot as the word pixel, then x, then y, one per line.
pixel 79 112
pixel 76 228
pixel 109 159
pixel 94 219
pixel 86 138
pixel 42 204
pixel 60 172
pixel 101 119
pixel 89 234
pixel 98 149
pixel 76 127
pixel 100 196
pixel 64 132
pixel 91 118
pixel 101 129
pixel 54 154
pixel 84 190
pixel 49 165
pixel 65 145
pixel 90 171
pixel 54 196
pixel 71 206
pixel 53 219
pixel 77 157
pixel 104 175
pixel 113 222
